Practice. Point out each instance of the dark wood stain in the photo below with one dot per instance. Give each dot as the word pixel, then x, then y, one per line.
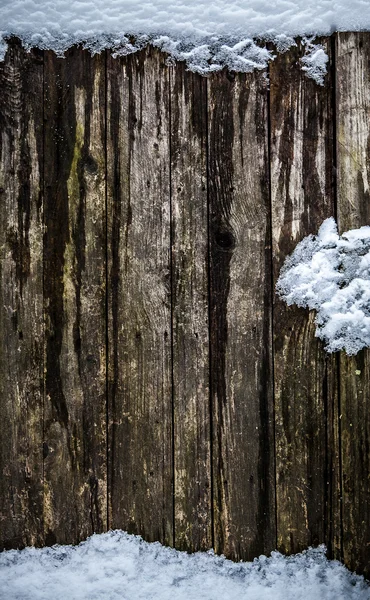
pixel 221 239
pixel 21 322
pixel 114 268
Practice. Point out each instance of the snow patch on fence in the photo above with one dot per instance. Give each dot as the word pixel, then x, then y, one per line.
pixel 315 61
pixel 118 566
pixel 331 274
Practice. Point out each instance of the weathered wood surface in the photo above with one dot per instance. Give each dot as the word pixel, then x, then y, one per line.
pixel 353 139
pixel 143 350
pixel 75 502
pixel 189 241
pixel 240 316
pixel 302 196
pixel 21 312
pixel 139 296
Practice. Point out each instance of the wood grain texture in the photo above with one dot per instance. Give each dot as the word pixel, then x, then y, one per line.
pixel 192 463
pixel 74 297
pixel 353 152
pixel 21 313
pixel 240 303
pixel 140 231
pixel 302 195
pixel 139 301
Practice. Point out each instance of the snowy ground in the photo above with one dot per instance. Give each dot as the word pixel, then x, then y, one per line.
pixel 118 566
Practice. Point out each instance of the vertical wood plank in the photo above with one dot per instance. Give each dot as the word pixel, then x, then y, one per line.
pixel 353 143
pixel 192 464
pixel 74 296
pixel 240 303
pixel 140 392
pixel 306 430
pixel 21 313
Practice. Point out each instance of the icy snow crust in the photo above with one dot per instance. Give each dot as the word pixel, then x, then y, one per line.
pixel 331 274
pixel 118 566
pixel 207 35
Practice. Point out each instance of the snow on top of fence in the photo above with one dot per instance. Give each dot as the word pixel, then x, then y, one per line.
pixel 184 18
pixel 118 566
pixel 208 36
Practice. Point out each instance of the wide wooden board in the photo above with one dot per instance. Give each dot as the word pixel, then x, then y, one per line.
pixel 240 316
pixel 75 484
pixel 353 151
pixel 302 196
pixel 139 296
pixel 189 236
pixel 21 312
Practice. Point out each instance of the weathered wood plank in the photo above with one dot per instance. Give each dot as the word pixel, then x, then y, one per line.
pixel 21 313
pixel 353 139
pixel 192 464
pixel 74 297
pixel 139 296
pixel 302 192
pixel 240 303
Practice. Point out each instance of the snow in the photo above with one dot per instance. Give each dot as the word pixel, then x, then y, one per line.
pixel 314 62
pixel 118 566
pixel 244 56
pixel 331 274
pixel 184 18
pixel 208 36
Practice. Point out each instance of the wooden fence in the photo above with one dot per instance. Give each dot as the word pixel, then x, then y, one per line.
pixel 150 379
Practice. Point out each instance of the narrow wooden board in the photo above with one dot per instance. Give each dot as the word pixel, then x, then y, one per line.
pixel 139 296
pixel 302 195
pixel 240 321
pixel 74 297
pixel 21 313
pixel 192 464
pixel 353 136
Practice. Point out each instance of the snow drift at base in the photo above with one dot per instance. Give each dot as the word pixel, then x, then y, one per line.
pixel 118 566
